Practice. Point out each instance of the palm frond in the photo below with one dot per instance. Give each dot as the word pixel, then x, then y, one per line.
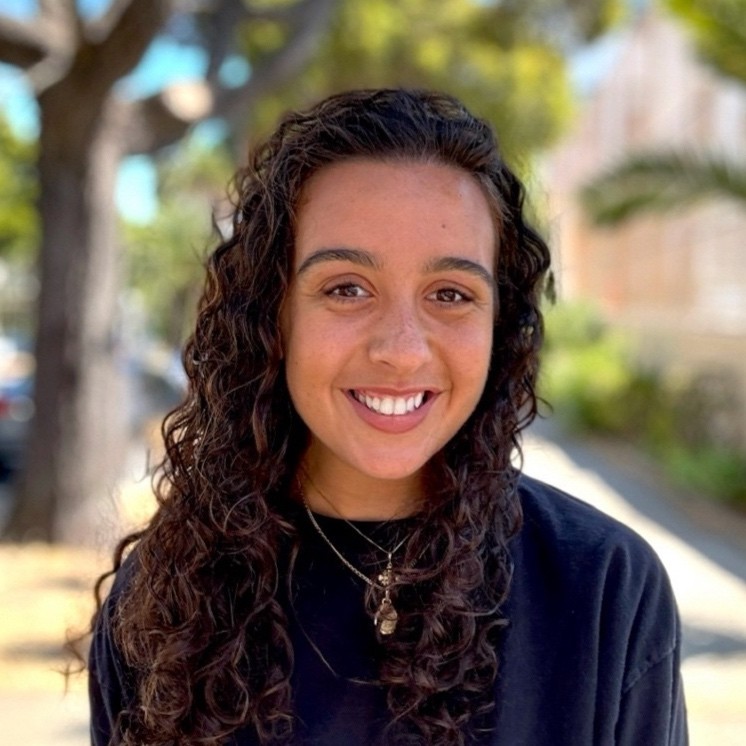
pixel 661 181
pixel 718 28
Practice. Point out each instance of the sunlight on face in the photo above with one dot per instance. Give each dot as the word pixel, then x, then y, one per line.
pixel 387 327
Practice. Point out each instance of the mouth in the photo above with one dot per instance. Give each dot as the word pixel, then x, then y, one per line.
pixel 391 406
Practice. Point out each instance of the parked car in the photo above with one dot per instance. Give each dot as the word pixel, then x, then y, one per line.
pixel 152 388
pixel 16 406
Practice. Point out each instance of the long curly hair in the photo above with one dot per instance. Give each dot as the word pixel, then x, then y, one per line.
pixel 200 622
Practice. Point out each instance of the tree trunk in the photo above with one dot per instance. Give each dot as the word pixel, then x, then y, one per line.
pixel 77 436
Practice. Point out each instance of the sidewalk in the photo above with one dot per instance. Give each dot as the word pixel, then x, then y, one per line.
pixel 708 575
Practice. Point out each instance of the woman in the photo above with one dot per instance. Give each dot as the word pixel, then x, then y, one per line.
pixel 343 552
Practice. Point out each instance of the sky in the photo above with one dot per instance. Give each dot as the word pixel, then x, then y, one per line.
pixel 167 62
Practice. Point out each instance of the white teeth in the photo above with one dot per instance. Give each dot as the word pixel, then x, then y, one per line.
pixel 391 405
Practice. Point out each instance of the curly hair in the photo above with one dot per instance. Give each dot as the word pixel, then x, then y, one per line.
pixel 200 623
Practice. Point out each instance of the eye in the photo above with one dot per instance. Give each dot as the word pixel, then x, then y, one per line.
pixel 347 291
pixel 450 296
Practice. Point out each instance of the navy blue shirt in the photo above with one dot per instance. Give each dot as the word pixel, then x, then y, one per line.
pixel 590 656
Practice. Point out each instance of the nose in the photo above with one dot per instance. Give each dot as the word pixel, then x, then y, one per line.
pixel 400 339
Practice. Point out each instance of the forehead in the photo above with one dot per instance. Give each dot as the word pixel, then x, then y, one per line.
pixel 395 206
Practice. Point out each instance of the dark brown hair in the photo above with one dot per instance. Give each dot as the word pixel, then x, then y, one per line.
pixel 199 621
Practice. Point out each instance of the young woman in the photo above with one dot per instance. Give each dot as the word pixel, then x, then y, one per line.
pixel 343 552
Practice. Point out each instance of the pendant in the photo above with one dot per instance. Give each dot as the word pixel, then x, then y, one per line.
pixel 386 616
pixel 387 576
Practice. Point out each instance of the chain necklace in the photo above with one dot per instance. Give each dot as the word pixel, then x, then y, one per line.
pixel 386 616
pixel 370 541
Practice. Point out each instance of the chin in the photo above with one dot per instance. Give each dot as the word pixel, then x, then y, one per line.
pixel 390 469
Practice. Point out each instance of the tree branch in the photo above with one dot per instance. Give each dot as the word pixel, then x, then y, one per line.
pixel 59 13
pixel 22 43
pixel 220 27
pixel 164 118
pixel 61 27
pixel 309 20
pixel 220 34
pixel 116 42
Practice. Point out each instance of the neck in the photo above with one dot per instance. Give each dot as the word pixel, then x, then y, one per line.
pixel 358 498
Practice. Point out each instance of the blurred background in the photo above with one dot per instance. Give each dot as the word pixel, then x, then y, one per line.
pixel 121 123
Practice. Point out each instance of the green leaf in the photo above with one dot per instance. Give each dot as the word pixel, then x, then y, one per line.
pixel 19 221
pixel 661 181
pixel 718 28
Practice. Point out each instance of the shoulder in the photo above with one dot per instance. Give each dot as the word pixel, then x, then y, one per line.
pixel 593 636
pixel 124 576
pixel 594 559
pixel 579 562
pixel 111 684
pixel 105 660
pixel 556 523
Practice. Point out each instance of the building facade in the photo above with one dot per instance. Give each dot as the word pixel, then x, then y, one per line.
pixel 677 280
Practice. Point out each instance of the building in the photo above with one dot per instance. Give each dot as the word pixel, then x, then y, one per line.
pixel 677 281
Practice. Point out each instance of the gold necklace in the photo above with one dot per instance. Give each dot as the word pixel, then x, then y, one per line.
pixel 386 616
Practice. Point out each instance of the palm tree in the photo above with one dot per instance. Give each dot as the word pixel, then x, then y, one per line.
pixel 658 181
pixel 664 180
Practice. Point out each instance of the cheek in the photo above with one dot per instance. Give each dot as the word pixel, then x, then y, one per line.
pixel 472 346
pixel 299 383
pixel 311 363
pixel 471 355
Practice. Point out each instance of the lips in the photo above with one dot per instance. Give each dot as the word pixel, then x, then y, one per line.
pixel 390 405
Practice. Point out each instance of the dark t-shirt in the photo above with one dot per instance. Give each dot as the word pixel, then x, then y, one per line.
pixel 590 656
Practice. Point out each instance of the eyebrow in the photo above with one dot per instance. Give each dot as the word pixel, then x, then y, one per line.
pixel 459 264
pixel 356 256
pixel 366 259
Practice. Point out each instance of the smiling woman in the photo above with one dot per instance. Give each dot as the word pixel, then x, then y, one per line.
pixel 404 320
pixel 344 551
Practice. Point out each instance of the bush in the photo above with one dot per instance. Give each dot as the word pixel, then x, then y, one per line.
pixel 690 425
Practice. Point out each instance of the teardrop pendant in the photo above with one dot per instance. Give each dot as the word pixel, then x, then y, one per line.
pixel 386 617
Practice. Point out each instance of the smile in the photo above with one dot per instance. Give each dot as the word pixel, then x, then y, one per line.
pixel 391 405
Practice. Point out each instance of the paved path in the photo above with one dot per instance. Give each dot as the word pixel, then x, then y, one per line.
pixel 35 719
pixel 708 575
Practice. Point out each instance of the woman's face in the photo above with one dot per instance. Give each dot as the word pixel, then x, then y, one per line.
pixel 387 327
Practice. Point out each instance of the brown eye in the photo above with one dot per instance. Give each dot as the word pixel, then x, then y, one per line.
pixel 450 296
pixel 348 290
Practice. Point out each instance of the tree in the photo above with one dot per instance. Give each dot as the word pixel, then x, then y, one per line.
pixel 656 181
pixel 504 59
pixel 165 256
pixel 72 65
pixel 718 28
pixel 660 181
pixel 501 52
